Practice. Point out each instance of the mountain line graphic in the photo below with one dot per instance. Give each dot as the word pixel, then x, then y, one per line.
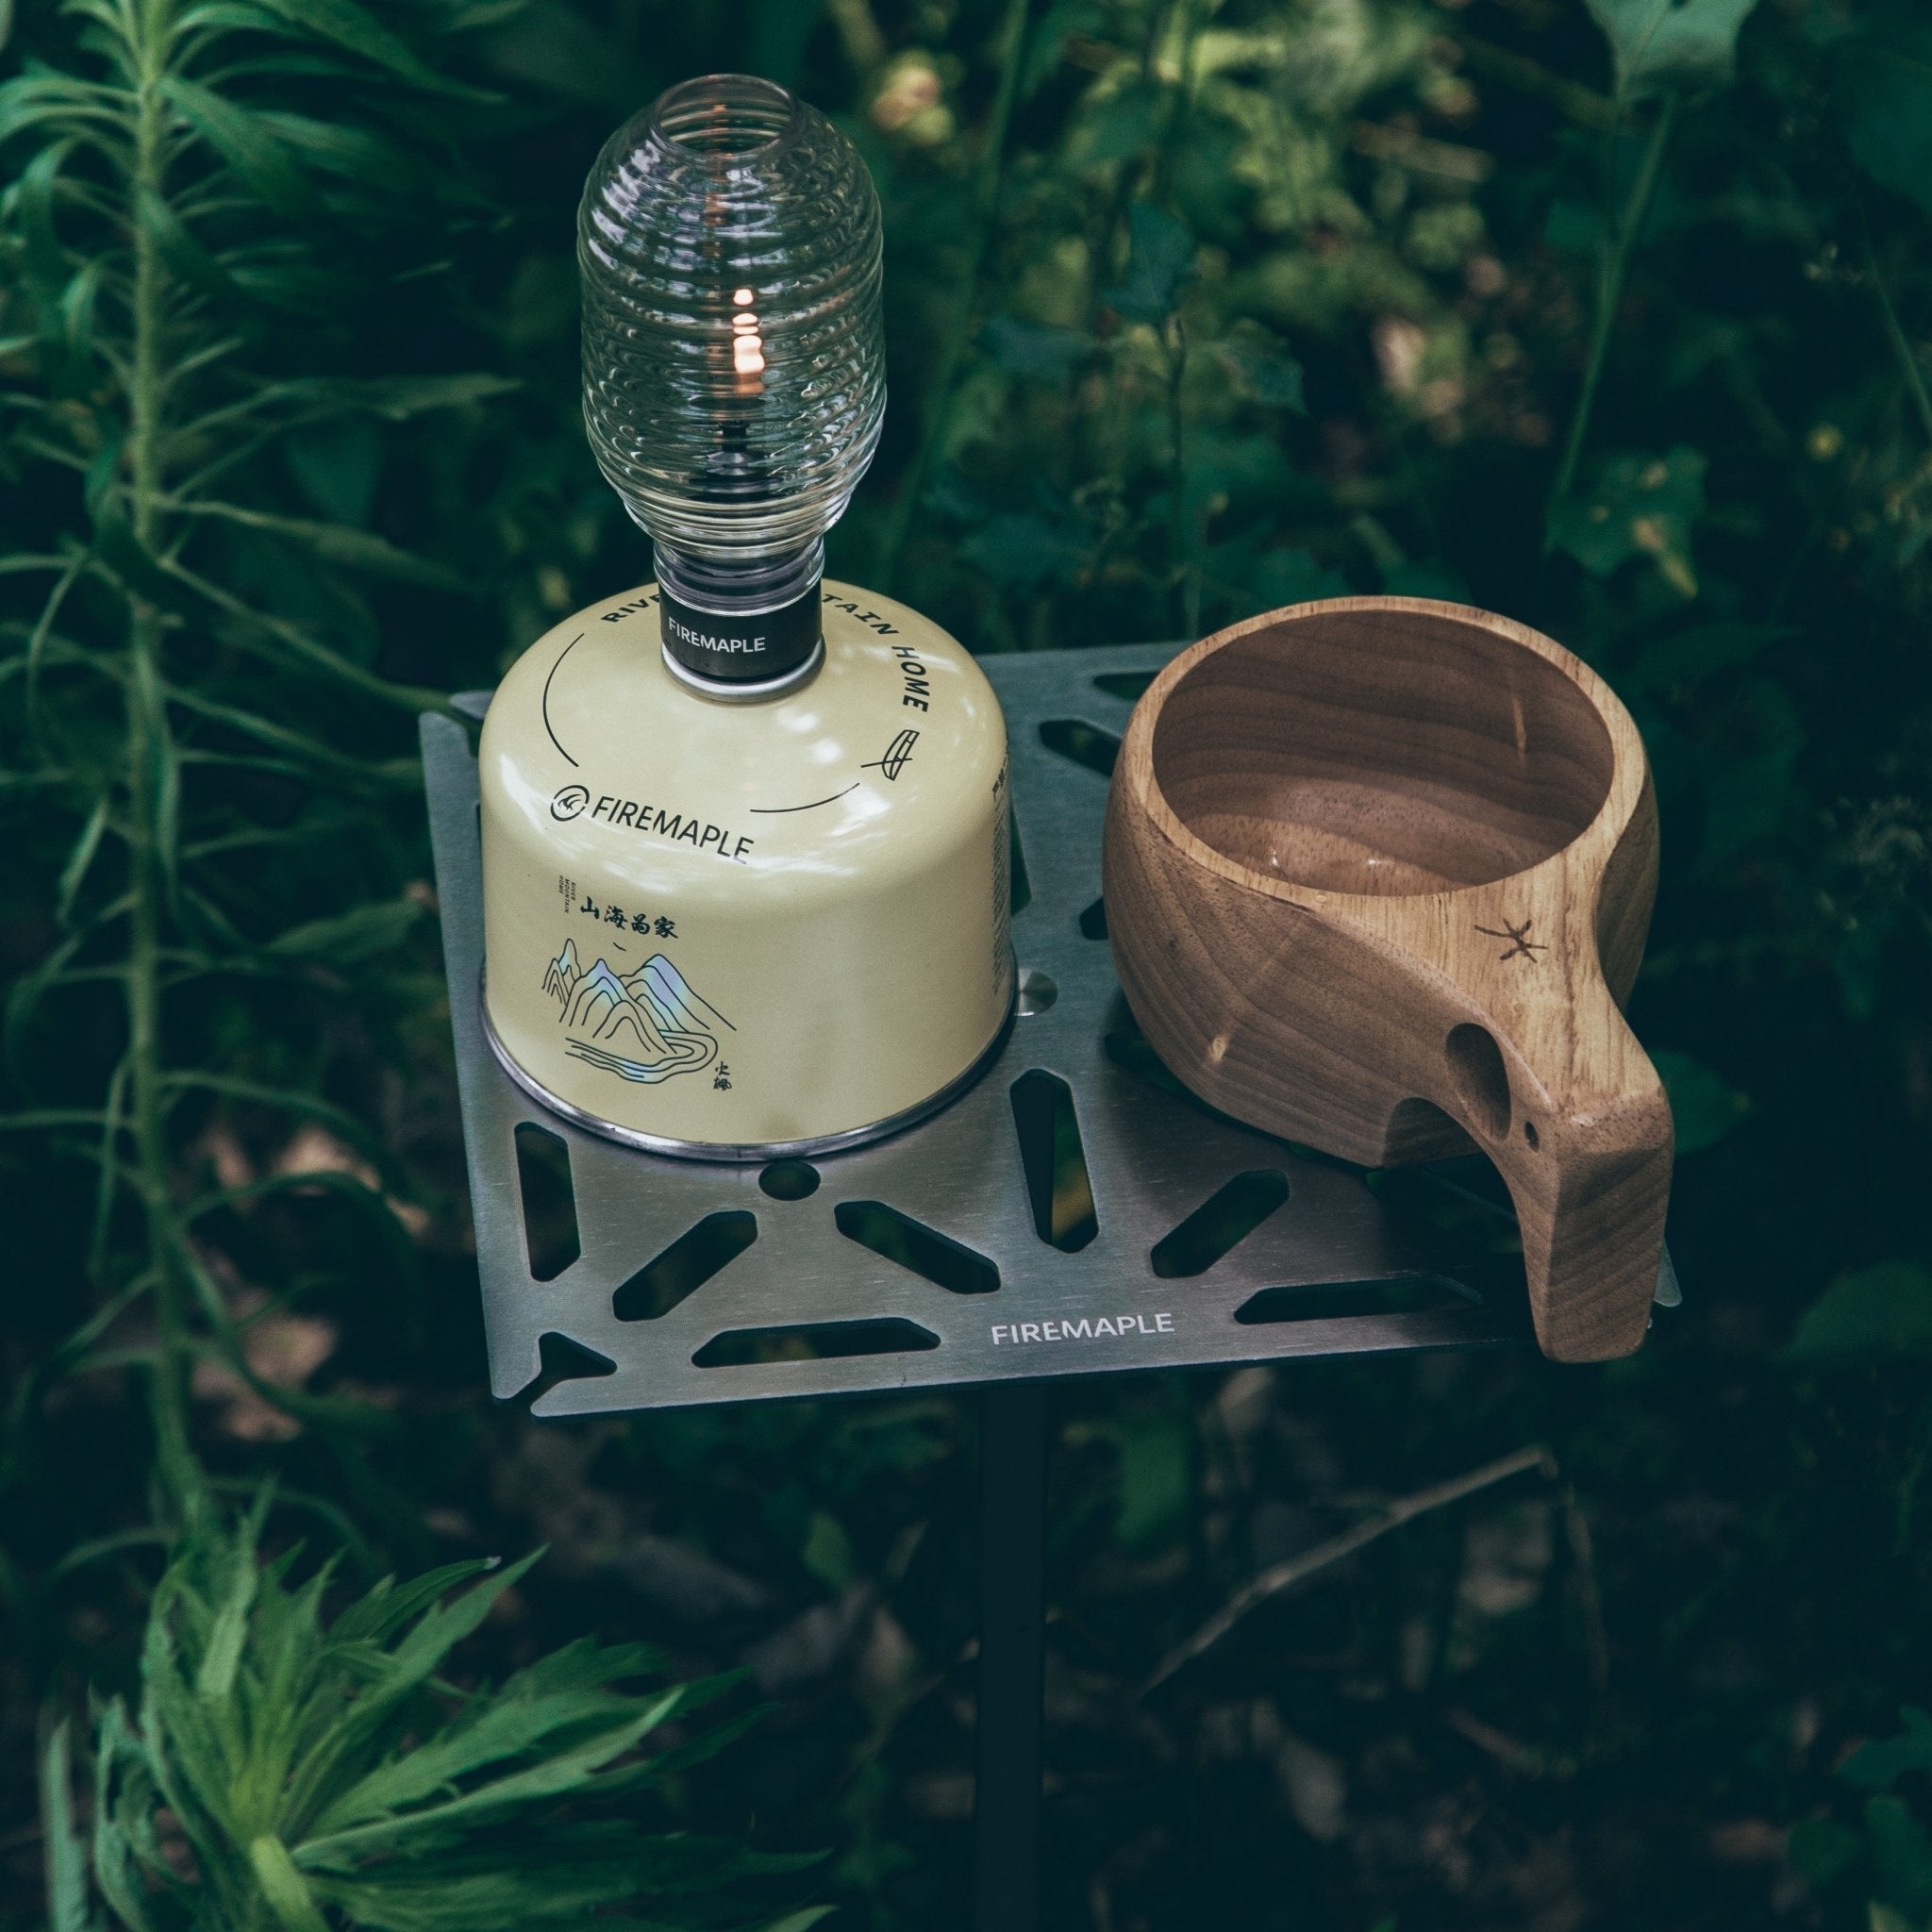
pixel 646 1025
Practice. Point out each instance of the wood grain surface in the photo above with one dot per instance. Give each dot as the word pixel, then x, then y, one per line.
pixel 1377 875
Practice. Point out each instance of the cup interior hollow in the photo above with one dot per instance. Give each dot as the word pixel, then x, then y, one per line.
pixel 1382 752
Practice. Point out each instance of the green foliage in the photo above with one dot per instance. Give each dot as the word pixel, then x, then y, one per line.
pixel 1196 308
pixel 1878 1314
pixel 195 255
pixel 1663 45
pixel 1879 1764
pixel 1889 1858
pixel 1704 1105
pixel 196 644
pixel 1883 66
pixel 321 1770
pixel 1639 507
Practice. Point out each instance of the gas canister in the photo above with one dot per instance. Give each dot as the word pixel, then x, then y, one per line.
pixel 742 930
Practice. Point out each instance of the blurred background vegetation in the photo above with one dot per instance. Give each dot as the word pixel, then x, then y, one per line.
pixel 1614 317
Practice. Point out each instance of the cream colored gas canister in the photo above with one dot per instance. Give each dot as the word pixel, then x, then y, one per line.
pixel 739 930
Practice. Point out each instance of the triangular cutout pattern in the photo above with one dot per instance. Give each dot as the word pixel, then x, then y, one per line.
pixel 568 1360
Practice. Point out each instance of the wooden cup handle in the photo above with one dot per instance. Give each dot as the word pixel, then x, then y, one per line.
pixel 1575 1119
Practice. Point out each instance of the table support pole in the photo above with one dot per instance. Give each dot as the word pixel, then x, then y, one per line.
pixel 1012 1618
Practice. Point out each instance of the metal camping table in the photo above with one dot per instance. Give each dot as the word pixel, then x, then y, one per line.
pixel 963 1252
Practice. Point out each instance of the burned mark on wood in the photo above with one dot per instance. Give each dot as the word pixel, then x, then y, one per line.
pixel 1521 945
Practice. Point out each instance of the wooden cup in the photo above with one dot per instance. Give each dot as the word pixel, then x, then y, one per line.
pixel 1377 872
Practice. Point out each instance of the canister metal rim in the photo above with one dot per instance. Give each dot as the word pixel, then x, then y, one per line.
pixel 743 1153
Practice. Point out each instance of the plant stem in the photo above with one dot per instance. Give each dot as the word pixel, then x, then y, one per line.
pixel 989 179
pixel 859 32
pixel 1272 1582
pixel 1901 343
pixel 1184 551
pixel 1184 24
pixel 1616 263
pixel 146 718
pixel 1101 261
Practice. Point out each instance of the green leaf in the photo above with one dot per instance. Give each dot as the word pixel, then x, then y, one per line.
pixel 78 860
pixel 1639 507
pixel 1234 473
pixel 394 397
pixel 1882 1761
pixel 267 636
pixel 351 152
pixel 338 465
pixel 390 1605
pixel 359 774
pixel 563 1697
pixel 124 1839
pixel 284 1886
pixel 1019 550
pixel 558 1774
pixel 1705 1105
pixel 63 1852
pixel 427 1896
pixel 357 31
pixel 26 992
pixel 1160 256
pixel 238 15
pixel 337 543
pixel 247 144
pixel 1048 40
pixel 508 1727
pixel 347 939
pixel 1748 772
pixel 828 1552
pixel 1256 579
pixel 1883 91
pixel 161 772
pixel 1124 123
pixel 1267 375
pixel 406 1668
pixel 177 247
pixel 702 1748
pixel 1669 46
pixel 43 100
pixel 221 1657
pixel 1154 1478
pixel 1877 1314
pixel 1688 657
pixel 1821 1848
pixel 294 1100
pixel 1901 1857
pixel 102 474
pixel 34 197
pixel 1033 348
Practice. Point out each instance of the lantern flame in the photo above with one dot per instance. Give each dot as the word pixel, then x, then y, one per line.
pixel 747 345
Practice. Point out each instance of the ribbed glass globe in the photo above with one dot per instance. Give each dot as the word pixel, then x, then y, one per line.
pixel 734 363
